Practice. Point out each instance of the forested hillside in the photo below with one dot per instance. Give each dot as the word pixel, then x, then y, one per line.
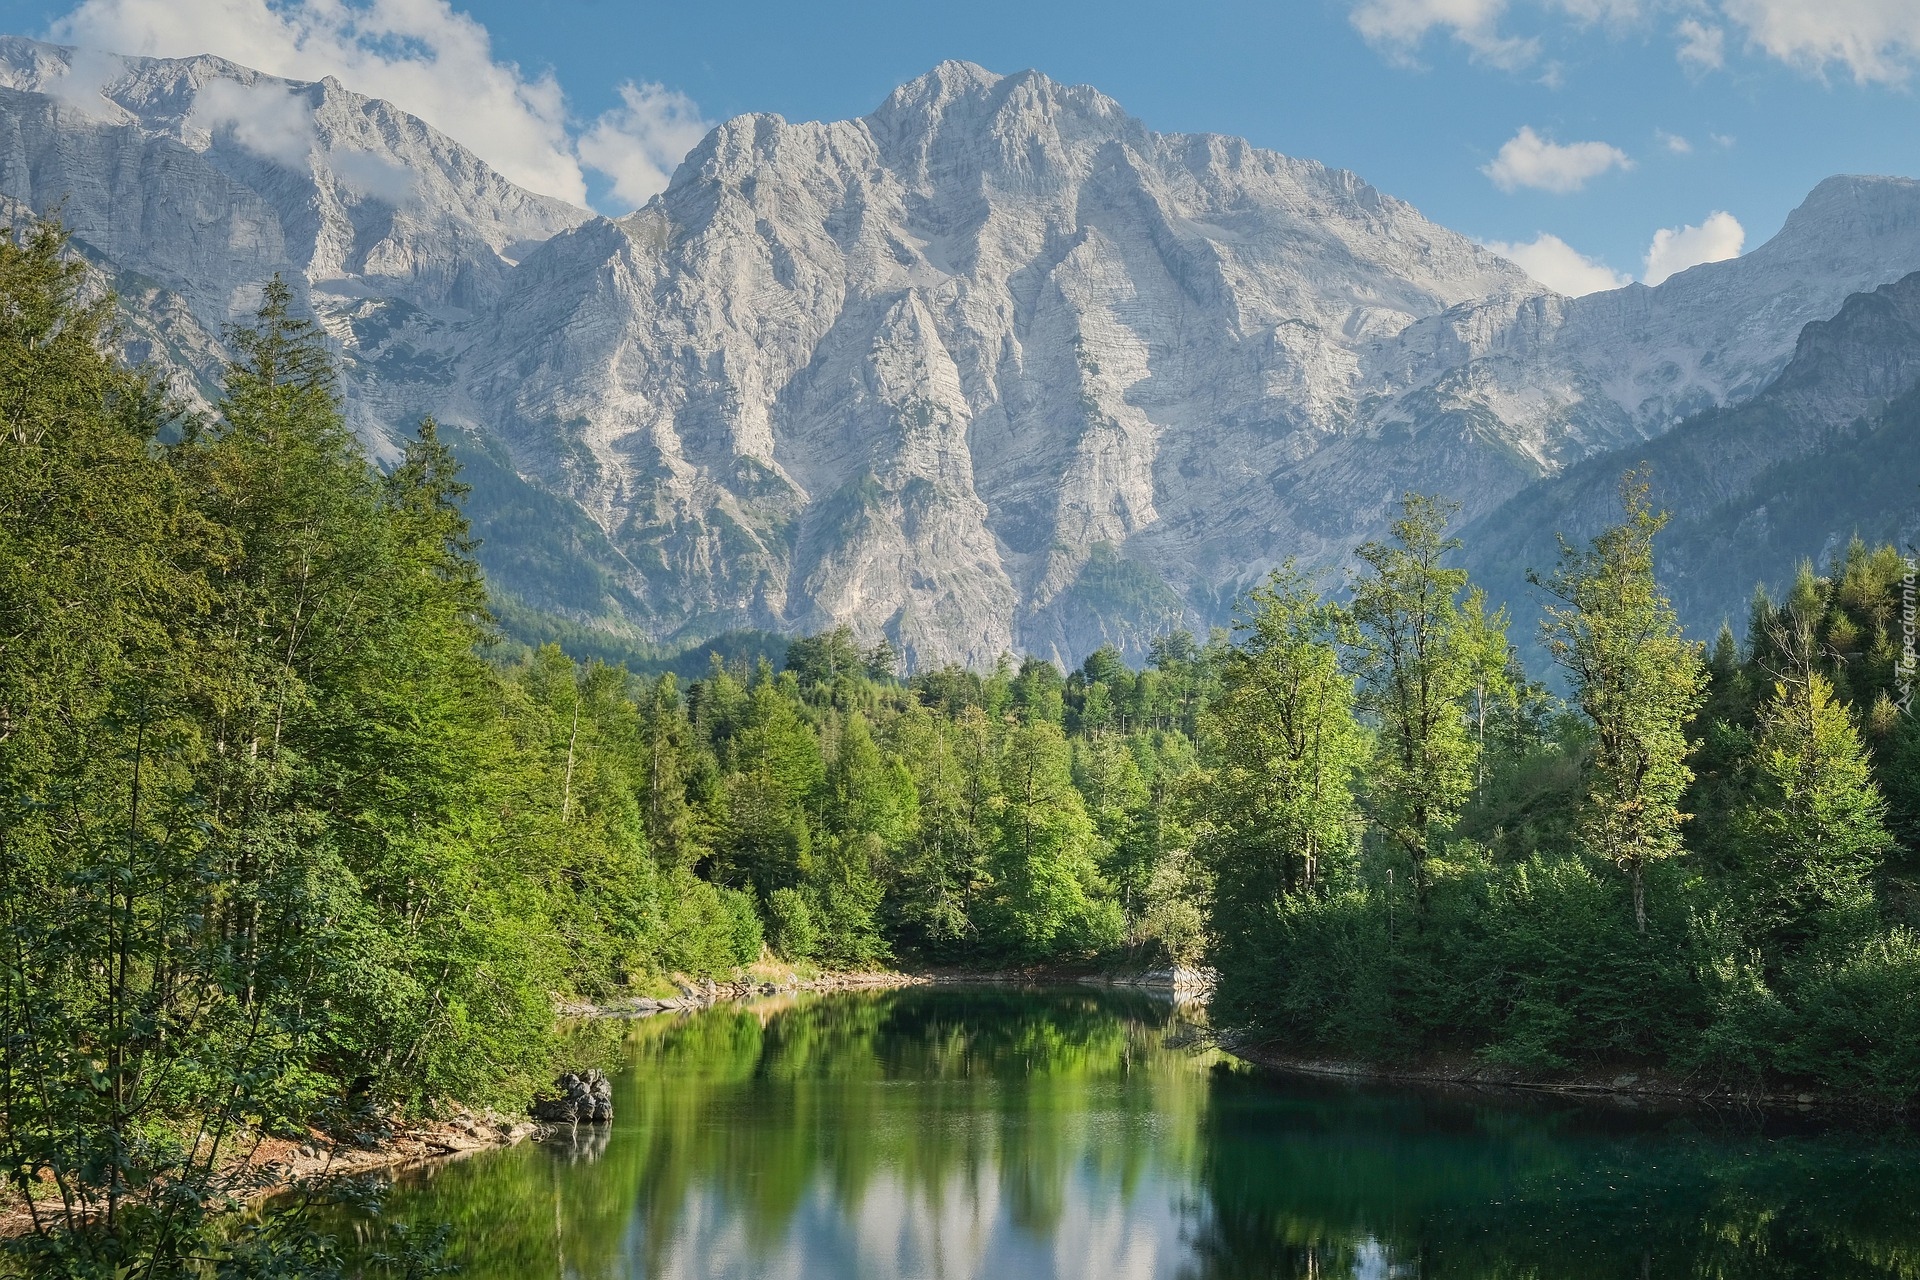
pixel 287 839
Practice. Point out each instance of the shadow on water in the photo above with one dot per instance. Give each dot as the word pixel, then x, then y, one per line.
pixel 1001 1133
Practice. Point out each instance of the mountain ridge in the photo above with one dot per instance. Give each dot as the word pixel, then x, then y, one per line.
pixel 992 367
pixel 1850 387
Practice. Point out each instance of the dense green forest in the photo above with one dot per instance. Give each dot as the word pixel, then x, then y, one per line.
pixel 289 838
pixel 1702 859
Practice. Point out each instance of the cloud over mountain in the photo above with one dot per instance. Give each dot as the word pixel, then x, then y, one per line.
pixel 1674 249
pixel 1559 266
pixel 426 56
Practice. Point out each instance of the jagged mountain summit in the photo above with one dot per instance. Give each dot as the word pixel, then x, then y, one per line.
pixel 993 367
pixel 996 366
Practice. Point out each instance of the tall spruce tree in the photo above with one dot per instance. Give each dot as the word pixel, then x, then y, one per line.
pixel 1814 829
pixel 1045 859
pixel 672 823
pixel 943 869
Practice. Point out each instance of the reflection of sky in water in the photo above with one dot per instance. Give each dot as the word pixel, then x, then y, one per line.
pixel 964 1232
pixel 1370 1262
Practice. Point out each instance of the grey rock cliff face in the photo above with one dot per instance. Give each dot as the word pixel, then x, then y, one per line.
pixel 210 176
pixel 992 367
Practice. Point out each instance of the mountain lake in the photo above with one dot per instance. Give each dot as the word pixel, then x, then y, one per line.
pixel 1002 1133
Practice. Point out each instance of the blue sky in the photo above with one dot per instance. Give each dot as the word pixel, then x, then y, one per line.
pixel 1598 122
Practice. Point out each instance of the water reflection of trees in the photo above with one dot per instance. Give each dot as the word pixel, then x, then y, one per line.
pixel 1333 1181
pixel 927 1099
pixel 962 1095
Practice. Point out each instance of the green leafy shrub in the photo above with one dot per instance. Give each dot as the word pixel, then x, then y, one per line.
pixel 790 924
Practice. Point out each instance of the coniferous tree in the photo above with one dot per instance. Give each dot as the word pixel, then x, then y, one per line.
pixel 775 778
pixel 671 822
pixel 1108 775
pixel 1815 828
pixel 1045 859
pixel 943 868
pixel 872 811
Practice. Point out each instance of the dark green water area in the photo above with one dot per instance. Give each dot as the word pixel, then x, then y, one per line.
pixel 1006 1134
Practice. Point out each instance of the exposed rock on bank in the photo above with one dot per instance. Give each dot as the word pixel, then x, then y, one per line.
pixel 275 1164
pixel 1186 983
pixel 584 1099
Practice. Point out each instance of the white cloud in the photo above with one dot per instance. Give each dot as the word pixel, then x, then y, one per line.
pixel 82 84
pixel 1559 266
pixel 1529 160
pixel 1400 25
pixel 638 143
pixel 1722 139
pixel 420 54
pixel 1674 249
pixel 374 177
pixel 1877 40
pixel 1702 46
pixel 1618 12
pixel 1674 142
pixel 266 119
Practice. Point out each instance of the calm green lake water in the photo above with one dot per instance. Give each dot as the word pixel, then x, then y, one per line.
pixel 946 1132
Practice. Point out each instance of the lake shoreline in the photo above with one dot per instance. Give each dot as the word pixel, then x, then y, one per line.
pixel 275 1166
pixel 780 1115
pixel 278 1166
pixel 704 994
pixel 1182 983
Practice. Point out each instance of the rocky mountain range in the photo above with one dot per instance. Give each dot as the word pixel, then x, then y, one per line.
pixel 1826 452
pixel 992 367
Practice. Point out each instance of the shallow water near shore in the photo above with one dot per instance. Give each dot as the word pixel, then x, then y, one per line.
pixel 1005 1134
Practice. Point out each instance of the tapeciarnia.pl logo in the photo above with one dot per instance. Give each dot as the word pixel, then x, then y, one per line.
pixel 1904 671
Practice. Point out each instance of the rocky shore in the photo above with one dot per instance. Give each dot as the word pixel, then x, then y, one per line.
pixel 273 1165
pixel 703 994
pixel 1186 984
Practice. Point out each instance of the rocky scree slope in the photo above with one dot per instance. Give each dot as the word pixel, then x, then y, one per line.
pixel 1566 377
